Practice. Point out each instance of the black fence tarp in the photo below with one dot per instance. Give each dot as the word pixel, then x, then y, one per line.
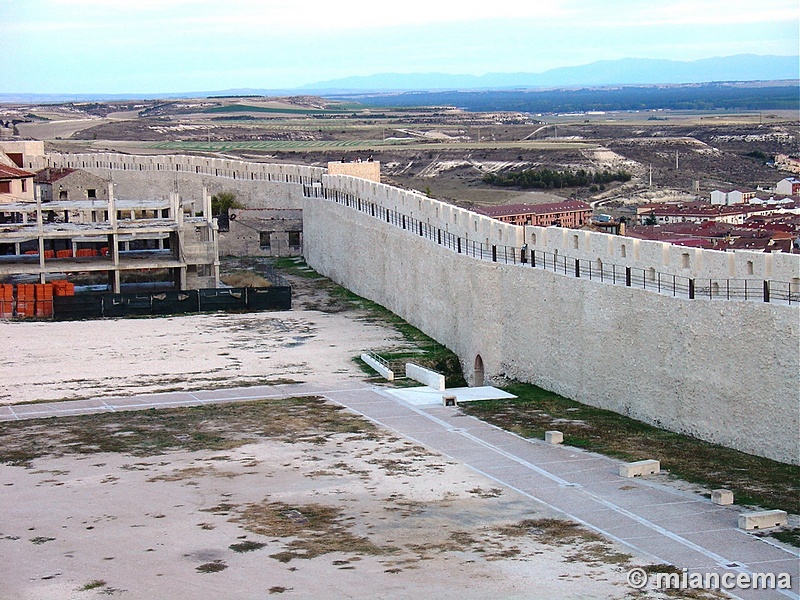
pixel 223 299
pixel 83 306
pixel 127 305
pixel 176 303
pixel 94 306
pixel 271 298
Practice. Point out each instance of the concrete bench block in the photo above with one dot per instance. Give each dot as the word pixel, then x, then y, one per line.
pixel 639 468
pixel 449 401
pixel 763 519
pixel 553 437
pixel 723 497
pixel 425 376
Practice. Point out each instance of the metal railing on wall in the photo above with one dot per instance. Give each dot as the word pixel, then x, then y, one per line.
pixel 593 270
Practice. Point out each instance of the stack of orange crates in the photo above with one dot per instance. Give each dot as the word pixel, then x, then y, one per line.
pixel 86 252
pixel 62 287
pixel 44 299
pixel 49 254
pixel 6 300
pixel 64 254
pixel 26 300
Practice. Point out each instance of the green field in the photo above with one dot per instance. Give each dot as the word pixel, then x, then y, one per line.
pixel 311 145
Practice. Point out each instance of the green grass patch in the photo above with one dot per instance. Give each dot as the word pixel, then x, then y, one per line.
pixel 295 266
pixel 247 546
pixel 274 110
pixel 212 567
pixel 754 480
pixel 788 536
pixel 92 585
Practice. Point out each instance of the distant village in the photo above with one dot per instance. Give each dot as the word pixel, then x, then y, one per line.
pixel 762 220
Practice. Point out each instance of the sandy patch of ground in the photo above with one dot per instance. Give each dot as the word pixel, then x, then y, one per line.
pixel 294 510
pixel 109 357
pixel 57 129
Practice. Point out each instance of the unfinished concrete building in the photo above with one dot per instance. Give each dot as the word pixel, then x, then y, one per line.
pixel 43 241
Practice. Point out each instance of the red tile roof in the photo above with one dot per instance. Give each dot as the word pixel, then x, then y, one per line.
pixel 51 175
pixel 532 209
pixel 7 172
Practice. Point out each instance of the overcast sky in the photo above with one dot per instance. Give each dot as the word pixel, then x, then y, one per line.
pixel 149 46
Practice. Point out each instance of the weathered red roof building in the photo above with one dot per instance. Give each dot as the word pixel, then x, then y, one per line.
pixel 569 213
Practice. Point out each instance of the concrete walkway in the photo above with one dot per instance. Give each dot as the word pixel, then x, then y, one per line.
pixel 656 521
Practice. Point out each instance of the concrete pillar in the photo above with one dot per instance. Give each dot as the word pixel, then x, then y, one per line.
pixel 40 230
pixel 114 281
pixel 113 248
pixel 206 204
pixel 177 209
pixel 112 208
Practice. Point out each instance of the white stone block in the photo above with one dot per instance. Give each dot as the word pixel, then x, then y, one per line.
pixel 425 376
pixel 763 519
pixel 639 468
pixel 553 437
pixel 449 401
pixel 722 497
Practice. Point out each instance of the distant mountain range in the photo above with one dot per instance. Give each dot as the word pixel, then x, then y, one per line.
pixel 626 71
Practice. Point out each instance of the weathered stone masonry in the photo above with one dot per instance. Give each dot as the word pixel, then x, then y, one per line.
pixel 723 370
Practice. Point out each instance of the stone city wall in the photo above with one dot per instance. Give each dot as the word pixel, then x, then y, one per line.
pixel 256 185
pixel 723 371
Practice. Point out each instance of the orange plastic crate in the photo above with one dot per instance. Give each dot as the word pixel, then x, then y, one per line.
pixel 44 308
pixel 44 291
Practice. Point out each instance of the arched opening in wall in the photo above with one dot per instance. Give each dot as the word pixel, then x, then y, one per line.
pixel 478 375
pixel 533 239
pixel 651 273
pixel 623 251
pixel 749 267
pixel 685 260
pixel 575 242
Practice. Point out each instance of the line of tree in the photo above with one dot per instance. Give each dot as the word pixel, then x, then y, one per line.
pixel 549 178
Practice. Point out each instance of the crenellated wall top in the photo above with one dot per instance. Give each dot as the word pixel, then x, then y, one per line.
pixel 575 243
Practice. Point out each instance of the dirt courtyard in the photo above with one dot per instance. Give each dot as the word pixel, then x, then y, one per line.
pixel 81 359
pixel 295 497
